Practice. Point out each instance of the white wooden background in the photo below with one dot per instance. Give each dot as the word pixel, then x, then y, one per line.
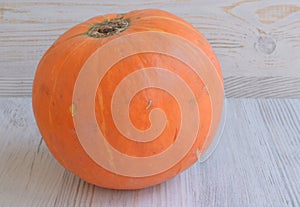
pixel 257 42
pixel 257 162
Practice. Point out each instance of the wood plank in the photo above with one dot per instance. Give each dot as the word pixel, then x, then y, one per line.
pixel 235 87
pixel 256 41
pixel 257 163
pixel 29 176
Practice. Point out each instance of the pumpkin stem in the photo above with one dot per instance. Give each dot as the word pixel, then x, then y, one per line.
pixel 108 28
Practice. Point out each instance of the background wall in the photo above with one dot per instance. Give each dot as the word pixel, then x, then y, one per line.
pixel 257 42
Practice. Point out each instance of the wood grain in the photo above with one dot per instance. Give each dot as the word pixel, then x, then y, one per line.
pixel 257 163
pixel 257 42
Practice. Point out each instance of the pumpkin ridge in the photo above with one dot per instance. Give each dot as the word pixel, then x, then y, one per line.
pixel 168 18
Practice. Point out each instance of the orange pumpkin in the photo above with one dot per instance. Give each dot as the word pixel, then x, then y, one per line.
pixel 126 101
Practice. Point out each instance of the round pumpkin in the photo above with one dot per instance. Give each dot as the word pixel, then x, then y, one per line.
pixel 126 101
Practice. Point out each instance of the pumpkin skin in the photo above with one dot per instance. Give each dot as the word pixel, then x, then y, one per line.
pixel 131 109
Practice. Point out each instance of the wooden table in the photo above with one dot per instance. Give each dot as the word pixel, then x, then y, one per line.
pixel 257 162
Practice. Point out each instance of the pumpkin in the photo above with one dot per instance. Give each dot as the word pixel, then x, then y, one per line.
pixel 127 101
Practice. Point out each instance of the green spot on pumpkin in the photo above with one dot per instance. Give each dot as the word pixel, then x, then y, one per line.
pixel 198 154
pixel 73 109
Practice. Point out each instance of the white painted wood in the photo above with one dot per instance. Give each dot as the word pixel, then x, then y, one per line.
pixel 257 163
pixel 29 176
pixel 257 42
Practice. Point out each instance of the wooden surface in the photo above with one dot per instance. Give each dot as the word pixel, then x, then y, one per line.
pixel 257 163
pixel 257 42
